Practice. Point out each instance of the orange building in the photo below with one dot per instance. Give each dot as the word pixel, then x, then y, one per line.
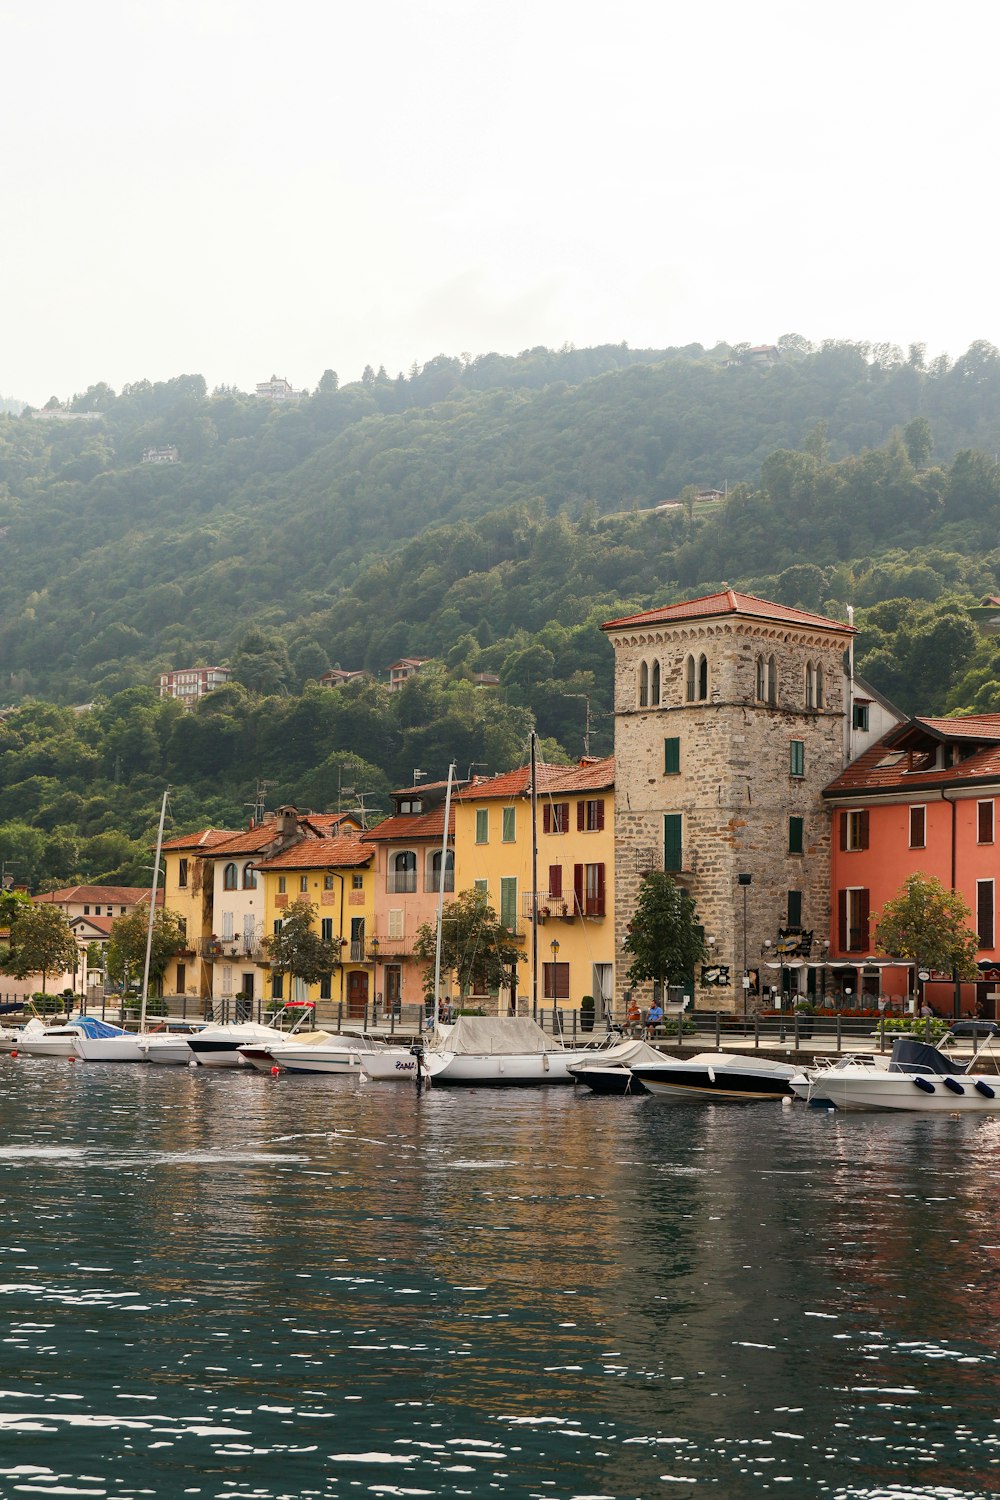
pixel 924 798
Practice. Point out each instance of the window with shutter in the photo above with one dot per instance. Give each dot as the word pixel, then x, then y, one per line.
pixel 984 913
pixel 508 902
pixel 918 827
pixel 508 832
pixel 984 822
pixel 672 841
pixel 794 909
pixel 795 835
pixel 555 881
pixel 482 825
pixel 672 756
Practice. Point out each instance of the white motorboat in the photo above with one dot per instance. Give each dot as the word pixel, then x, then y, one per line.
pixel 732 1076
pixel 500 1051
pixel 919 1076
pixel 219 1046
pixel 38 1040
pixel 338 1053
pixel 169 1047
pixel 265 1055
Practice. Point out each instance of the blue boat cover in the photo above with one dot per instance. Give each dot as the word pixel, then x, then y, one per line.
pixel 91 1026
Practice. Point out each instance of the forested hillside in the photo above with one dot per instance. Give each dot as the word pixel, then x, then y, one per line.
pixel 485 513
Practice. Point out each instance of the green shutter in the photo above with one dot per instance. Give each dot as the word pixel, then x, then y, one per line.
pixel 509 833
pixel 482 825
pixel 796 758
pixel 672 756
pixel 795 826
pixel 508 902
pixel 672 841
pixel 794 908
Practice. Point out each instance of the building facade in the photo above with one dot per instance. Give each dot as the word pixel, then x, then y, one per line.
pixel 191 683
pixel 730 719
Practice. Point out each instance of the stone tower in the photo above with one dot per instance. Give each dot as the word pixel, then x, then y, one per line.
pixel 729 721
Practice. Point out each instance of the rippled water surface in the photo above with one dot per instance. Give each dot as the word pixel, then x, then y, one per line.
pixel 219 1284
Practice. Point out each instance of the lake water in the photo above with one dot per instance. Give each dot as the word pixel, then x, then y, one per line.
pixel 225 1285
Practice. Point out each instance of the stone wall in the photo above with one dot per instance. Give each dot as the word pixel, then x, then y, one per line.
pixel 734 790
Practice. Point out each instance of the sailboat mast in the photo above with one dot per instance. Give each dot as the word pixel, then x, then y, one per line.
pixel 440 910
pixel 534 876
pixel 152 911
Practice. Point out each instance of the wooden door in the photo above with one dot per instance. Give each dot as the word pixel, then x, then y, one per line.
pixel 357 993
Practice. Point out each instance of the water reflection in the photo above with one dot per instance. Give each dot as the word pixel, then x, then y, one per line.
pixel 219 1284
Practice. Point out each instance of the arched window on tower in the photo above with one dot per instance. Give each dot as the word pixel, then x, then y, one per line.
pixel 643 685
pixel 810 685
pixel 760 680
pixel 819 686
pixel 654 685
pixel 702 678
pixel 689 679
pixel 772 680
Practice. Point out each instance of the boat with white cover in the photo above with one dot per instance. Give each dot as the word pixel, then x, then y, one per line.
pixel 611 1071
pixel 500 1051
pixel 735 1076
pixel 219 1046
pixel 919 1076
pixel 60 1041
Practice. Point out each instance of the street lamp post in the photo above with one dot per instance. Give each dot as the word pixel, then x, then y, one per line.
pixel 745 880
pixel 554 945
pixel 374 952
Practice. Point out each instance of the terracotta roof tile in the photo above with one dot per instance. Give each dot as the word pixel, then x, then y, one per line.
pixel 205 838
pixel 103 895
pixel 729 602
pixel 899 762
pixel 599 775
pixel 428 825
pixel 320 854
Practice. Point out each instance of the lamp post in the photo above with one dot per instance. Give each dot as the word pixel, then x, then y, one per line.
pixel 745 880
pixel 374 951
pixel 554 945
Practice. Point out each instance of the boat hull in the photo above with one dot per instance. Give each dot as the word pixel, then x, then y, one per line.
pixel 874 1090
pixel 721 1076
pixel 610 1080
pixel 502 1070
pixel 392 1065
pixel 109 1049
pixel 341 1060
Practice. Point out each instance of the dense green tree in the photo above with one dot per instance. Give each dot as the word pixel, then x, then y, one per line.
pixel 930 926
pixel 297 948
pixel 126 951
pixel 663 938
pixel 40 942
pixel 475 947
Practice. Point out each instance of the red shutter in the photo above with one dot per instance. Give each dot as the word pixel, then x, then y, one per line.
pixel 863 830
pixel 547 818
pixel 843 833
pixel 555 880
pixel 863 916
pixel 578 889
pixel 599 903
pixel 581 816
pixel 842 920
pixel 600 815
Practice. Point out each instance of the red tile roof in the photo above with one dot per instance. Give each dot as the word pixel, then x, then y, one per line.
pixel 103 895
pixel 415 826
pixel 598 775
pixel 904 759
pixel 205 838
pixel 729 602
pixel 320 854
pixel 98 924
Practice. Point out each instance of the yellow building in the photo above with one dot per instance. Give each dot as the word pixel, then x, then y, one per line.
pixel 188 891
pixel 574 833
pixel 335 875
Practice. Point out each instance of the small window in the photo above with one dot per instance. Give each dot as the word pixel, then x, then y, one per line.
pixel 760 680
pixel 555 817
pixel 810 685
pixel 654 684
pixel 328 882
pixel 86 911
pixel 772 681
pixel 859 717
pixel 508 903
pixel 854 829
pixel 918 827
pixel 672 756
pixel 395 923
pixel 795 835
pixel 689 679
pixel 590 815
pixel 984 822
pixel 672 852
pixel 277 986
pixel 276 924
pixel 819 686
pixel 357 882
pixel 702 678
pixel 325 989
pixel 556 978
pixel 182 874
pixel 303 882
pixel 230 878
pixel 482 886
pixel 797 758
pixel 794 909
pixel 249 878
pixel 643 685
pixel 326 929
pixel 282 885
pixel 508 832
pixel 555 881
pixel 482 825
pixel 984 913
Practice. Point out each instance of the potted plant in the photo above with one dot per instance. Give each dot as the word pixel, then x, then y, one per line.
pixel 587 1013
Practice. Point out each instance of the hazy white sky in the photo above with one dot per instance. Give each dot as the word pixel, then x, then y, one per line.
pixel 236 188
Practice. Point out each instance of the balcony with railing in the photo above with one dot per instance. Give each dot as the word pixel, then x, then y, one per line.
pixel 225 950
pixel 673 861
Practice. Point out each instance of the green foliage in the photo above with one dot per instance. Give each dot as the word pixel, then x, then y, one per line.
pixel 664 937
pixel 40 942
pixel 298 949
pixel 126 951
pixel 474 946
pixel 930 926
